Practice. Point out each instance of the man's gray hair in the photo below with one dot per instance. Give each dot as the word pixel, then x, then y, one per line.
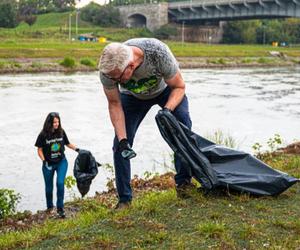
pixel 115 56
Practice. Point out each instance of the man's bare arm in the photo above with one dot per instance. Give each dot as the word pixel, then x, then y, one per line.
pixel 177 85
pixel 116 112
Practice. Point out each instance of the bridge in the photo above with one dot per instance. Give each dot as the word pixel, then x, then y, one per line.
pixel 222 10
pixel 192 13
pixel 153 15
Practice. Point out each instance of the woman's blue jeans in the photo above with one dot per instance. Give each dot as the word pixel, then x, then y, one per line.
pixel 135 110
pixel 48 172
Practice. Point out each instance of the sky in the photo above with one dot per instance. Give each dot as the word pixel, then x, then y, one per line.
pixel 82 3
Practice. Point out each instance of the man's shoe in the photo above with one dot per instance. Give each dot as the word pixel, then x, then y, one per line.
pixel 61 213
pixel 184 190
pixel 122 205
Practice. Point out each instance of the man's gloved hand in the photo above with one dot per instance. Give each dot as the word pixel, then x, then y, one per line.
pixel 167 110
pixel 126 150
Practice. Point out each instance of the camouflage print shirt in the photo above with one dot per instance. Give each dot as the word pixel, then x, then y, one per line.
pixel 147 81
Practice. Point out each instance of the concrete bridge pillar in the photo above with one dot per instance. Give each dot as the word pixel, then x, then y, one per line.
pixel 152 16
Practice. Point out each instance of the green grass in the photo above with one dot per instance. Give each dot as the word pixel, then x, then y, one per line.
pixel 68 62
pixel 158 220
pixel 88 62
pixel 53 48
pixel 48 37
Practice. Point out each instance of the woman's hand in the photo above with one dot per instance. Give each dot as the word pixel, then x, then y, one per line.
pixel 45 163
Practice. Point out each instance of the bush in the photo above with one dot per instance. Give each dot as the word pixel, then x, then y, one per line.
pixel 68 62
pixel 88 62
pixel 8 202
pixel 265 60
pixel 105 16
pixel 165 32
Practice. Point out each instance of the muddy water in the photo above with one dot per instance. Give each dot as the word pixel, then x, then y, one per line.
pixel 249 104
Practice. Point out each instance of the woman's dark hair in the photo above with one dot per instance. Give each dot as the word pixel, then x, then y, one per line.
pixel 48 129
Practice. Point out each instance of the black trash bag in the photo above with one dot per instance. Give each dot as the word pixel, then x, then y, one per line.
pixel 219 167
pixel 85 170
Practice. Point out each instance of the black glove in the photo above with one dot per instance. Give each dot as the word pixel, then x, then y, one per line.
pixel 167 110
pixel 125 149
pixel 77 150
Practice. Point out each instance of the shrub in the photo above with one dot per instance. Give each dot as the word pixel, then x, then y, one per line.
pixel 8 202
pixel 165 32
pixel 88 62
pixel 68 62
pixel 106 15
pixel 264 60
pixel 2 64
pixel 15 64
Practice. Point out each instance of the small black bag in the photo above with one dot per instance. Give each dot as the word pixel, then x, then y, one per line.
pixel 85 170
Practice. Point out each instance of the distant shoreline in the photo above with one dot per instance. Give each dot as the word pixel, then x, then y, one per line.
pixel 44 65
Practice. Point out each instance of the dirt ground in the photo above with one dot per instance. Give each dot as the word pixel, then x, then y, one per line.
pixel 293 148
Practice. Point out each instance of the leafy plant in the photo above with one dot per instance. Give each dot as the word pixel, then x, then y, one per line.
pixel 87 62
pixel 257 148
pixel 274 142
pixel 70 182
pixel 68 62
pixel 165 32
pixel 8 202
pixel 211 229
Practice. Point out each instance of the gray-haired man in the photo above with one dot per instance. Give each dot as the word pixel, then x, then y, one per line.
pixel 136 75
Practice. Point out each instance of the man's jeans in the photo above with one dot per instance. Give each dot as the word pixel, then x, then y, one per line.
pixel 135 111
pixel 48 172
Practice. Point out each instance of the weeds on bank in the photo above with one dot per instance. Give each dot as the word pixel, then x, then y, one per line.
pixel 68 62
pixel 158 220
pixel 220 61
pixel 88 62
pixel 265 60
pixel 219 137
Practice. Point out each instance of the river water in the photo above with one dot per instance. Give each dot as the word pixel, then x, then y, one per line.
pixel 251 105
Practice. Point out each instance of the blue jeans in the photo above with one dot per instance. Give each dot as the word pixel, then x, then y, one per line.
pixel 135 110
pixel 48 172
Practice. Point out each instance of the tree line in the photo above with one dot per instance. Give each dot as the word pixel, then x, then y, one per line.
pixel 12 12
pixel 262 31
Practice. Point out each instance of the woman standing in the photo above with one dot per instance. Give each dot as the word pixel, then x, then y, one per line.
pixel 51 146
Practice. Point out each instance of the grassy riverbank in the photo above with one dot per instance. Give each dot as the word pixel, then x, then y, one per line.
pixel 158 220
pixel 42 46
pixel 45 55
pixel 49 48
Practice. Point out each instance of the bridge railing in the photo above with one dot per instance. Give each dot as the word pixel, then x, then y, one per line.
pixel 205 2
pixel 187 2
pixel 213 2
pixel 132 2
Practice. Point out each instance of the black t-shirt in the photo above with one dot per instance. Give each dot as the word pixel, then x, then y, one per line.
pixel 53 146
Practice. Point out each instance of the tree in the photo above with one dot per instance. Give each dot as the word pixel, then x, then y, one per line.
pixel 101 15
pixel 63 5
pixel 241 31
pixel 8 13
pixel 28 7
pixel 30 20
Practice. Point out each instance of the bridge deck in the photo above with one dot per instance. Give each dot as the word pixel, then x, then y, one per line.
pixel 233 9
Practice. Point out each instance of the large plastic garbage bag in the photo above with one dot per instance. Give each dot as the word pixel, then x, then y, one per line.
pixel 216 166
pixel 85 170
